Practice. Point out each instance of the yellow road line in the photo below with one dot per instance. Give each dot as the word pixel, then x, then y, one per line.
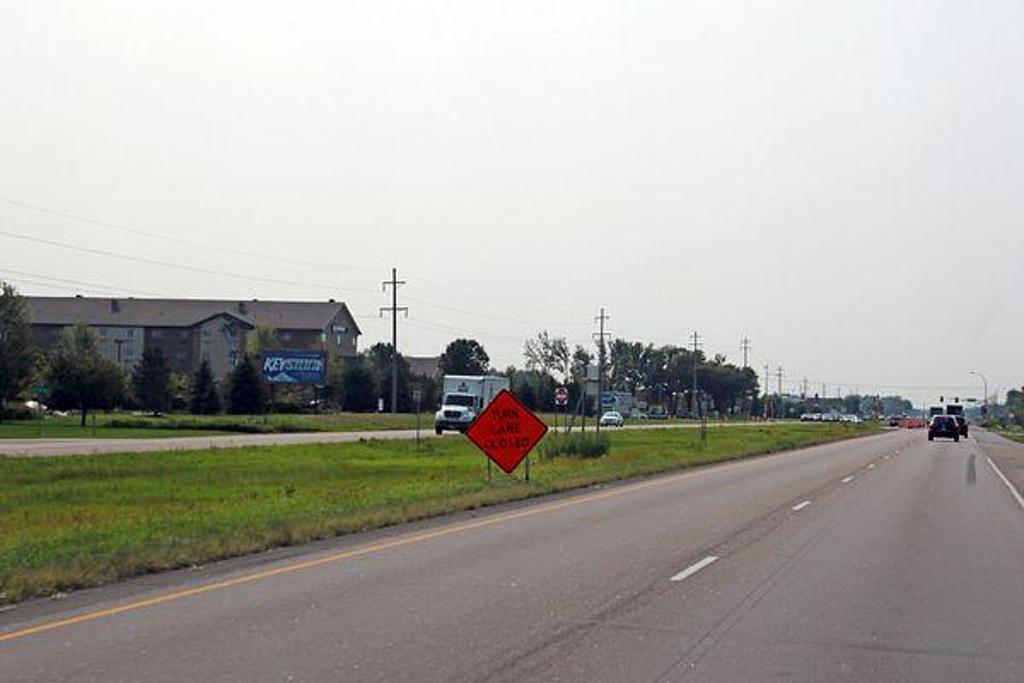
pixel 359 552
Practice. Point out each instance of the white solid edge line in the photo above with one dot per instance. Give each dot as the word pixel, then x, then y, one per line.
pixel 694 568
pixel 848 479
pixel 871 466
pixel 1009 485
pixel 801 506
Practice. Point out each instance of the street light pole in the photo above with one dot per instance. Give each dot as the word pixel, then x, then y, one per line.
pixel 984 384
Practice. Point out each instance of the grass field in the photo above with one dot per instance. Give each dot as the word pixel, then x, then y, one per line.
pixel 1015 433
pixel 80 521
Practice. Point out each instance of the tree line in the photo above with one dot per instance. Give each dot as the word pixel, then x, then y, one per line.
pixel 79 378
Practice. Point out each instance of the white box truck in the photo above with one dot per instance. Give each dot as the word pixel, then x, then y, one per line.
pixel 465 397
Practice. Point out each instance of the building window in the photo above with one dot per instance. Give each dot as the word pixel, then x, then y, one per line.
pixel 233 356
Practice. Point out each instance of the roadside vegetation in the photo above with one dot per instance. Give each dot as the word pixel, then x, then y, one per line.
pixel 1014 432
pixel 78 521
pixel 142 426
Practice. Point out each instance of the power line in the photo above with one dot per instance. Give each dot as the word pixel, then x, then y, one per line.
pixel 178 266
pixel 176 239
pixel 462 293
pixel 490 316
pixel 81 283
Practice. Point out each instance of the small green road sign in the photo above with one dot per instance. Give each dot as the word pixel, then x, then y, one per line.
pixel 41 390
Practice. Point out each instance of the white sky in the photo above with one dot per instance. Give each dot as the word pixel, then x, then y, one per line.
pixel 838 181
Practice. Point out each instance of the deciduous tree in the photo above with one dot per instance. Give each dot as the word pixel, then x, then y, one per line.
pixel 464 357
pixel 17 356
pixel 80 378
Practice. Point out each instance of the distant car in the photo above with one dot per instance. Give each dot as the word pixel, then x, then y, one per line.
pixel 807 417
pixel 657 415
pixel 961 423
pixel 612 419
pixel 944 426
pixel 853 419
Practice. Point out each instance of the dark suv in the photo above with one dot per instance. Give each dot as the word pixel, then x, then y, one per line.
pixel 944 426
pixel 961 423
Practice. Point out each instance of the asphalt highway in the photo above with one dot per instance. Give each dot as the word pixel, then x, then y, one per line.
pixel 887 558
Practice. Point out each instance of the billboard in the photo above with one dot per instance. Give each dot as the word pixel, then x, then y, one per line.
pixel 294 367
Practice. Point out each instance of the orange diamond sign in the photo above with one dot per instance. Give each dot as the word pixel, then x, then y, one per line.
pixel 506 431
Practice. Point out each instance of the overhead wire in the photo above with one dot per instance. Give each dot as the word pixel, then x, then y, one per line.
pixel 180 240
pixel 179 266
pixel 82 283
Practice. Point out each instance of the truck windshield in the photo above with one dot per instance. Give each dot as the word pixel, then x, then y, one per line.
pixel 459 400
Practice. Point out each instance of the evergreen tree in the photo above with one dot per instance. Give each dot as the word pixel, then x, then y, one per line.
pixel 205 396
pixel 152 381
pixel 358 387
pixel 248 395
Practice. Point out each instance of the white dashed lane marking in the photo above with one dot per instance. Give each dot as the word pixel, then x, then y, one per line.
pixel 694 568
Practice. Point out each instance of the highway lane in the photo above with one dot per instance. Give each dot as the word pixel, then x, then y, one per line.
pixel 884 558
pixel 55 447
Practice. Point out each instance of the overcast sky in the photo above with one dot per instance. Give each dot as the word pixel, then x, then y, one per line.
pixel 841 182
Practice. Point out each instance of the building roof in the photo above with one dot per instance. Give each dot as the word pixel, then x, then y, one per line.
pixel 424 366
pixel 287 315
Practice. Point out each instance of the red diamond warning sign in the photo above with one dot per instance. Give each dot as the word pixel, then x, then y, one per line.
pixel 506 431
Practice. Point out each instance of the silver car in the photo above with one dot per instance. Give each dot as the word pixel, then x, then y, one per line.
pixel 612 419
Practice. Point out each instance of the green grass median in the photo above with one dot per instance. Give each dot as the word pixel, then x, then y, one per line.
pixel 80 521
pixel 126 425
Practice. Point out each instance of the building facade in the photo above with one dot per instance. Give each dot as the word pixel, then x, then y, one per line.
pixel 188 331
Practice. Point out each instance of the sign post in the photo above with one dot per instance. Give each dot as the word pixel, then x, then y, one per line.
pixel 41 391
pixel 506 431
pixel 417 396
pixel 562 401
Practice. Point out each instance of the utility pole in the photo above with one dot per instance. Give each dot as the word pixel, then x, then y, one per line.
pixel 984 398
pixel 394 309
pixel 745 348
pixel 778 376
pixel 600 335
pixel 767 390
pixel 693 395
pixel 804 394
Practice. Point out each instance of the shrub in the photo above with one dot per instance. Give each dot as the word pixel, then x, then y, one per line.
pixel 17 412
pixel 582 444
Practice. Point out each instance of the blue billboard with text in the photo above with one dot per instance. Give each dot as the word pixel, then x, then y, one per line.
pixel 294 367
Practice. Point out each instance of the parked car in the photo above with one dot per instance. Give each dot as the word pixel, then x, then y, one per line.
pixel 612 419
pixel 944 426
